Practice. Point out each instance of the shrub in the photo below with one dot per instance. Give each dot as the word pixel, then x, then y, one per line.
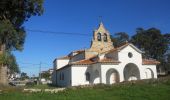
pixel 30 84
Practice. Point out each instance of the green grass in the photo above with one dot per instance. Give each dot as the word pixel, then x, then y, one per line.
pixel 42 86
pixel 147 90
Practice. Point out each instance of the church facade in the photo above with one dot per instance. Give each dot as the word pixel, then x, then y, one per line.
pixel 103 63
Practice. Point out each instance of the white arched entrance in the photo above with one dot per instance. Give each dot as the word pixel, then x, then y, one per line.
pixel 131 72
pixel 112 76
pixel 149 73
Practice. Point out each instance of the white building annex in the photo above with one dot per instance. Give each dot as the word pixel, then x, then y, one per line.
pixel 102 63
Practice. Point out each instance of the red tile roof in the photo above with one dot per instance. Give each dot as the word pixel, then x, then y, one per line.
pixel 64 57
pixel 107 60
pixel 83 62
pixel 149 62
pixel 92 61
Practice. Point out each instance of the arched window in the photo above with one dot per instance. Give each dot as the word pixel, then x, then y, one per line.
pixel 62 76
pixel 99 36
pixel 105 37
pixel 87 76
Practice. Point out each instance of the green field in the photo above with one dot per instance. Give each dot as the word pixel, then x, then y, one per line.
pixel 142 90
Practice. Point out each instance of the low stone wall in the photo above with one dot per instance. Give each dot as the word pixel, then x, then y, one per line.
pixel 44 90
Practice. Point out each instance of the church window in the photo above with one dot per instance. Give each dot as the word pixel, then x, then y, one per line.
pixel 99 36
pixel 105 37
pixel 87 76
pixel 130 55
pixel 62 76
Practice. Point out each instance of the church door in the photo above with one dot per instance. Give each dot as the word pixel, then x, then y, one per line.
pixel 113 78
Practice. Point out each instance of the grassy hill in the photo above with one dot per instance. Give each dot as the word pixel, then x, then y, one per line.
pixel 140 90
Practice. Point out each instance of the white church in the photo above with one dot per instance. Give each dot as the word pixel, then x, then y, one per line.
pixel 103 63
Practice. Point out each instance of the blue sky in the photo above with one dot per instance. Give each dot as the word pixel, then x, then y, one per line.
pixel 82 16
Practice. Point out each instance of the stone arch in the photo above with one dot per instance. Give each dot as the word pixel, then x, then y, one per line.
pixel 96 78
pixel 99 36
pixel 149 73
pixel 105 37
pixel 112 76
pixel 131 72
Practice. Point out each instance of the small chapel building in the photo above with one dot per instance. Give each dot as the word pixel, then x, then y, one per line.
pixel 103 63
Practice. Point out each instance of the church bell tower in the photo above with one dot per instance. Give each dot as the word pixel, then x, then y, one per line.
pixel 101 41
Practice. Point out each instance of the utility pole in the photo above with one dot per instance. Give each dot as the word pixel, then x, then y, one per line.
pixel 39 81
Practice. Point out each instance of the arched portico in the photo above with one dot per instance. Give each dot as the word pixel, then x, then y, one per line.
pixel 149 73
pixel 112 76
pixel 131 72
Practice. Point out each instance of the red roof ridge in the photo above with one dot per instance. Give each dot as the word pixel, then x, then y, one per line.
pixel 150 62
pixel 109 60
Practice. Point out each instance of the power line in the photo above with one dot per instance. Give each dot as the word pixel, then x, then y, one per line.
pixel 58 33
pixel 30 64
pixel 33 63
pixel 47 64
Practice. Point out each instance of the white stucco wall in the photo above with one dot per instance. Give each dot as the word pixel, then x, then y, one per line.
pixel 106 67
pixel 54 78
pixel 78 75
pixel 151 67
pixel 67 77
pixel 124 59
pixel 61 63
pixel 136 59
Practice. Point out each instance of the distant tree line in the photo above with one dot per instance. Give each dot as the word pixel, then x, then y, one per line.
pixel 155 44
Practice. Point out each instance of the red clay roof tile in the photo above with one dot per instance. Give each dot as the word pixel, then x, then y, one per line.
pixel 149 62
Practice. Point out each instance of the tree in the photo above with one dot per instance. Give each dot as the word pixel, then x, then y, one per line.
pixel 12 64
pixel 12 32
pixel 24 76
pixel 119 38
pixel 168 63
pixel 152 42
pixel 13 14
pixel 45 75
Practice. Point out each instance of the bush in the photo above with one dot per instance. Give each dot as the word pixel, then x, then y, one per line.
pixel 30 84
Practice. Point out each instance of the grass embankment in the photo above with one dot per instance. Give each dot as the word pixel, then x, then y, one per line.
pixel 141 90
pixel 42 86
